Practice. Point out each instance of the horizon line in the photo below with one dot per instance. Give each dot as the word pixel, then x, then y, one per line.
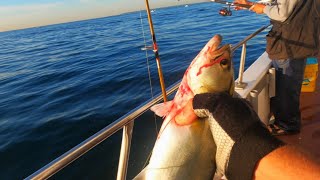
pixel 86 19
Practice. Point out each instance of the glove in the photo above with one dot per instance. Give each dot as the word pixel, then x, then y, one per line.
pixel 241 138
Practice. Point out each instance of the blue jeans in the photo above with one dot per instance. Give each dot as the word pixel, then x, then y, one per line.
pixel 286 104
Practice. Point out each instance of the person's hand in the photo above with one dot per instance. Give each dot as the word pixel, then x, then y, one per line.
pixel 257 8
pixel 241 1
pixel 241 138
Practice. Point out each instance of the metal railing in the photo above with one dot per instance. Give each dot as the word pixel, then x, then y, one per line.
pixel 240 84
pixel 126 123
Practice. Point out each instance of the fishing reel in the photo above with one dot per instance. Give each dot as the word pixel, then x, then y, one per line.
pixel 225 11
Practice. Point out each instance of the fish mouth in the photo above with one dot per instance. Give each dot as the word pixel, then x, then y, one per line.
pixel 220 51
pixel 223 48
pixel 214 45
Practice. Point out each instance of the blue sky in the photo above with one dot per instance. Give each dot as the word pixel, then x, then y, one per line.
pixel 19 14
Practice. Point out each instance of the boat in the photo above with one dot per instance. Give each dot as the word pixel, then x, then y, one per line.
pixel 256 84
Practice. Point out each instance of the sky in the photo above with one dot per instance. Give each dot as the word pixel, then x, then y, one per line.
pixel 20 14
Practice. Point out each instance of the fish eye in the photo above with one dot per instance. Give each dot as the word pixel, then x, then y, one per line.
pixel 224 62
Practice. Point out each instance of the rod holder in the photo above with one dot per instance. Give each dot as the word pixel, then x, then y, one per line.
pixel 240 84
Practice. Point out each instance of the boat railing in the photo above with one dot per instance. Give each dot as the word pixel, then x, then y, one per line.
pixel 126 123
pixel 240 84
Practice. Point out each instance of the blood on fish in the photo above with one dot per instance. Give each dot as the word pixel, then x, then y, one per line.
pixel 184 88
pixel 208 65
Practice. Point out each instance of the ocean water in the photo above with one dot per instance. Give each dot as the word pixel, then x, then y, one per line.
pixel 60 84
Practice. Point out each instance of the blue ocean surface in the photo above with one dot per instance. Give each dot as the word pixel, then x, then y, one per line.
pixel 60 84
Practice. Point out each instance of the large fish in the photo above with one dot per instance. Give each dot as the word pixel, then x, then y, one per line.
pixel 185 148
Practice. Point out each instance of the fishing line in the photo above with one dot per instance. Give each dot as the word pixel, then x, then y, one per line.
pixel 148 65
pixel 145 48
pixel 150 81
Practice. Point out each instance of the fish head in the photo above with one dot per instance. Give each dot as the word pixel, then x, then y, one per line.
pixel 212 70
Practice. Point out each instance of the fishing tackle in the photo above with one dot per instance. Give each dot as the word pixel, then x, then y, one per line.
pixel 225 11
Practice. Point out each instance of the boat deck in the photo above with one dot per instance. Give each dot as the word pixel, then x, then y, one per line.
pixel 309 137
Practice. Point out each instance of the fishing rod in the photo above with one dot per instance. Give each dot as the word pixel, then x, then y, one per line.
pixel 156 53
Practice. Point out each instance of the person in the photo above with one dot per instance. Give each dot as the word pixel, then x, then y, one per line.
pixel 285 106
pixel 245 148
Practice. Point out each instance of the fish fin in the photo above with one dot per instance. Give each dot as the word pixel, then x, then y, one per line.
pixel 162 109
pixel 186 116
